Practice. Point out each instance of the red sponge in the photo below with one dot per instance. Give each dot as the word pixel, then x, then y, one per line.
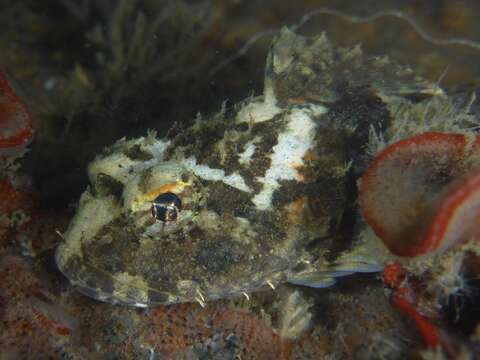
pixel 15 118
pixel 422 193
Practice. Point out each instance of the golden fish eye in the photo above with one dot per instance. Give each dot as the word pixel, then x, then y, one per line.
pixel 166 207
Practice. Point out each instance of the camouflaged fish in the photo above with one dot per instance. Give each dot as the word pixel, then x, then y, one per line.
pixel 258 195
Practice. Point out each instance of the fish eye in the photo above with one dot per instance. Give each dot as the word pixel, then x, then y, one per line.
pixel 166 207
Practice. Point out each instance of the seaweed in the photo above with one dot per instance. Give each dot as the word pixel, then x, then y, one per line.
pixel 131 70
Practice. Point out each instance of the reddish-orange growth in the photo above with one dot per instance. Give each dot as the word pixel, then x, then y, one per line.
pixel 18 281
pixel 403 299
pixel 49 325
pixel 23 333
pixel 174 330
pixel 393 275
pixel 457 217
pixel 404 194
pixel 254 335
pixel 428 331
pixel 15 117
pixel 12 199
pixel 20 338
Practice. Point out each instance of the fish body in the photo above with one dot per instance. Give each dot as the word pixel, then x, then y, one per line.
pixel 263 192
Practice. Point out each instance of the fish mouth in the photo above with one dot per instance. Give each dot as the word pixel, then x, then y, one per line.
pixel 124 289
pixel 118 288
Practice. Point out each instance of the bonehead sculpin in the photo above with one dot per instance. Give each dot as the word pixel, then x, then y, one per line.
pixel 257 195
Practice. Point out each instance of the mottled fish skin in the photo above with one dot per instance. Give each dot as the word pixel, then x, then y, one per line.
pixel 267 188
